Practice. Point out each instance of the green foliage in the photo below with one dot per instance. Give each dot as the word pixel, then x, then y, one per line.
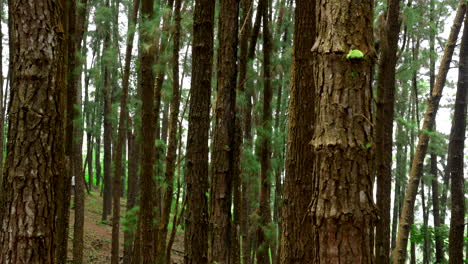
pixel 129 223
pixel 355 54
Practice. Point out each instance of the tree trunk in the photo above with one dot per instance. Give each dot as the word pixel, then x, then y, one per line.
pixel 2 108
pixel 389 32
pixel 263 244
pixel 455 156
pixel 107 192
pixel 122 133
pixel 343 218
pixel 78 18
pixel 399 254
pixel 35 153
pixel 172 141
pixel 242 98
pixel 401 160
pixel 296 238
pixel 196 220
pixel 224 131
pixel 148 136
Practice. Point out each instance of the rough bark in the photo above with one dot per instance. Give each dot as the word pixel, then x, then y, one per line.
pixel 196 219
pixel 385 103
pixel 35 153
pixel 296 237
pixel 343 217
pixel 399 254
pixel 224 131
pixel 148 136
pixel 456 158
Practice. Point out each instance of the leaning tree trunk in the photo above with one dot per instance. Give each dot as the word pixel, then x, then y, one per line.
pixel 35 153
pixel 455 156
pixel 389 31
pixel 342 210
pixel 224 131
pixel 406 219
pixel 196 219
pixel 296 237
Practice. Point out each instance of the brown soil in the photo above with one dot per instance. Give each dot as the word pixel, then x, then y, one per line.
pixel 98 235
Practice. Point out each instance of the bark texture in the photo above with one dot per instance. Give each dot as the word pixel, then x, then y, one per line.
pixel 196 219
pixel 35 151
pixel 224 131
pixel 297 237
pixel 406 218
pixel 148 137
pixel 343 213
pixel 455 156
pixel 390 29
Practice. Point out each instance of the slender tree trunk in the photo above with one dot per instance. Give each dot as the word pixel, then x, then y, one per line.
pixel 296 237
pixel 389 32
pixel 401 161
pixel 79 15
pixel 122 133
pixel 172 143
pixel 399 254
pixel 35 162
pixel 107 192
pixel 343 218
pixel 224 131
pixel 2 108
pixel 455 156
pixel 242 98
pixel 425 211
pixel 265 149
pixel 439 247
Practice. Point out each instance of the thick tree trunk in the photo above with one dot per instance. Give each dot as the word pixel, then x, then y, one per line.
pixel 399 254
pixel 296 238
pixel 455 156
pixel 196 219
pixel 343 217
pixel 224 131
pixel 148 136
pixel 35 162
pixel 389 32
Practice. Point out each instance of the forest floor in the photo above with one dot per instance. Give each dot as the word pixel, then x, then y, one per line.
pixel 98 235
